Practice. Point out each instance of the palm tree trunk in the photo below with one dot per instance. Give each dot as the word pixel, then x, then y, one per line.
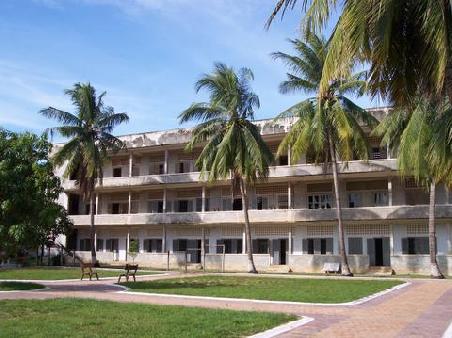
pixel 249 243
pixel 92 227
pixel 435 272
pixel 345 269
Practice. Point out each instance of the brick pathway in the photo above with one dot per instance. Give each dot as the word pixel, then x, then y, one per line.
pixel 423 309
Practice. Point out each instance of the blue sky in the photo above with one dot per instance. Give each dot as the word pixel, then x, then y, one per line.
pixel 146 54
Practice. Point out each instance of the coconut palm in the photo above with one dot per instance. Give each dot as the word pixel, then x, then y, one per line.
pixel 90 141
pixel 233 144
pixel 412 136
pixel 326 126
pixel 408 43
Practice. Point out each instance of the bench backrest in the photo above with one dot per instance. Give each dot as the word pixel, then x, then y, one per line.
pixel 131 268
pixel 331 267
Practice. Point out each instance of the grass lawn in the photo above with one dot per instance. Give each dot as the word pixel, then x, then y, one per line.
pixel 282 289
pixel 56 273
pixel 90 318
pixel 12 286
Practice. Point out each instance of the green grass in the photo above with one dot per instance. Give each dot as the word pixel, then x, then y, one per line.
pixel 72 317
pixel 266 288
pixel 12 286
pixel 55 273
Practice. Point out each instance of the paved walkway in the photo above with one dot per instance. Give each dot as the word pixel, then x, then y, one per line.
pixel 422 309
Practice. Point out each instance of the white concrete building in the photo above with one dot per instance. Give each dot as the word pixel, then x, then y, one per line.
pixel 152 194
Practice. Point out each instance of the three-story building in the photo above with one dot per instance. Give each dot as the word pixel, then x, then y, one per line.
pixel 152 193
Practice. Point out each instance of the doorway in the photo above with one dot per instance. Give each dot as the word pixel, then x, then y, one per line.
pixel 378 250
pixel 279 251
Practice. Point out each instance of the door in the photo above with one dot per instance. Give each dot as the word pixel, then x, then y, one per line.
pixel 378 250
pixel 283 252
pixel 378 244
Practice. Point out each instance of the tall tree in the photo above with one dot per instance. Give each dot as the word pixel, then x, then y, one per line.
pixel 233 144
pixel 411 135
pixel 29 211
pixel 328 125
pixel 407 43
pixel 90 142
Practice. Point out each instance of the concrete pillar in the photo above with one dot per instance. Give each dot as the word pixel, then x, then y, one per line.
pixel 203 198
pixel 243 241
pixel 203 246
pixel 390 191
pixel 388 152
pixel 127 244
pixel 391 241
pixel 165 165
pixel 164 200
pixel 97 204
pixel 95 240
pixel 290 241
pixel 447 193
pixel 130 202
pixel 130 164
pixel 289 156
pixel 164 238
pixel 289 195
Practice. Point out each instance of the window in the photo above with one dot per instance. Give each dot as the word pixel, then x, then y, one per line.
pixel 99 244
pixel 283 202
pixel 155 206
pixel 112 245
pixel 153 245
pixel 354 200
pixel 85 244
pixel 380 198
pixel 199 204
pixel 262 202
pixel 161 169
pixel 179 245
pixel 260 246
pixel 415 246
pixel 237 204
pixel 283 160
pixel 319 201
pixel 355 246
pixel 117 172
pixel 318 246
pixel 115 208
pixel 183 206
pixel 231 245
pixel 378 153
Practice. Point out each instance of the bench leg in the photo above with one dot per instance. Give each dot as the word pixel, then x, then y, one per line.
pixel 127 278
pixel 134 278
pixel 119 279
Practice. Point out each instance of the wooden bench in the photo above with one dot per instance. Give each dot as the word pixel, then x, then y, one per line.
pixel 331 268
pixel 88 269
pixel 130 271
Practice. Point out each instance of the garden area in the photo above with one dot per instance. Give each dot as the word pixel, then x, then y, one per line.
pixel 327 291
pixel 86 318
pixel 58 273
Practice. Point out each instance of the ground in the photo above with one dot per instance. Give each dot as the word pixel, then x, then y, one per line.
pixel 85 318
pixel 287 289
pixel 419 309
pixel 10 286
pixel 55 273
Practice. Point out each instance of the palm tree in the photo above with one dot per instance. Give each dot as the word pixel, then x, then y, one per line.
pixel 328 126
pixel 408 43
pixel 90 141
pixel 233 144
pixel 411 135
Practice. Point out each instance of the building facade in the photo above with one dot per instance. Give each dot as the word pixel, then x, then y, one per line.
pixel 152 194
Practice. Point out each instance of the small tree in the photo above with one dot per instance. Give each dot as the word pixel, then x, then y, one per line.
pixel 133 249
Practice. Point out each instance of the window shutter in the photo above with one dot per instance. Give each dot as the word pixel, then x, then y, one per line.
pixel 329 246
pixel 305 246
pixel 255 246
pixel 175 245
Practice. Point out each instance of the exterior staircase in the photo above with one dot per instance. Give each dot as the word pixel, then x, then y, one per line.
pixel 278 269
pixel 380 271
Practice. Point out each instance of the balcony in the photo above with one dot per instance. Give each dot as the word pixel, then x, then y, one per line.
pixel 298 170
pixel 269 216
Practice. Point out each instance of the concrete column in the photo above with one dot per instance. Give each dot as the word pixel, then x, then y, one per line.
pixel 289 195
pixel 390 191
pixel 391 241
pixel 95 240
pixel 130 202
pixel 97 204
pixel 164 200
pixel 203 198
pixel 130 164
pixel 127 244
pixel 289 157
pixel 447 193
pixel 388 152
pixel 164 238
pixel 243 241
pixel 165 165
pixel 290 241
pixel 203 246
